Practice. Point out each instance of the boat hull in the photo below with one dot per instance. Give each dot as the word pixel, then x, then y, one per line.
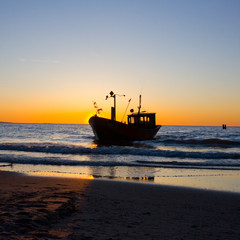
pixel 106 130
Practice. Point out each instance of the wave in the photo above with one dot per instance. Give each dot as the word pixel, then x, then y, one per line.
pixel 115 150
pixel 192 164
pixel 211 142
pixel 13 159
pixel 56 161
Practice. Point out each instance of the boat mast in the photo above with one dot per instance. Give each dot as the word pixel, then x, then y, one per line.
pixel 139 107
pixel 113 109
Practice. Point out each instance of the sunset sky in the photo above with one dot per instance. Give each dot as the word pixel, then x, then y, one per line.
pixel 58 56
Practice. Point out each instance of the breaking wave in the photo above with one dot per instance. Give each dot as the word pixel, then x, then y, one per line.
pixel 116 150
pixel 211 142
pixel 111 162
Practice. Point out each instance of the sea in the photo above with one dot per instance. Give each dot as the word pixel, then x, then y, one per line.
pixel 189 156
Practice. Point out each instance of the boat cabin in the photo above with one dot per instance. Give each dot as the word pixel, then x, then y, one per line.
pixel 146 120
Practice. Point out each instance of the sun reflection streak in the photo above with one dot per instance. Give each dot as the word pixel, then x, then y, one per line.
pixel 61 174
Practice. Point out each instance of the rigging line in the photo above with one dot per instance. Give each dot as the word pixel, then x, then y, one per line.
pixel 126 109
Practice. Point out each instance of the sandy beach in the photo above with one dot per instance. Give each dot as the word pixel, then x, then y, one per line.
pixel 65 208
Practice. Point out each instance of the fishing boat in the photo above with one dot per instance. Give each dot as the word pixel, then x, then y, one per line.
pixel 140 126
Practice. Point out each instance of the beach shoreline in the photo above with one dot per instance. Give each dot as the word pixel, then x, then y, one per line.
pixel 208 179
pixel 66 208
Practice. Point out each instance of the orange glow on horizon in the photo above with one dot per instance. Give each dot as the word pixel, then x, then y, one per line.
pixel 198 116
pixel 57 117
pixel 165 115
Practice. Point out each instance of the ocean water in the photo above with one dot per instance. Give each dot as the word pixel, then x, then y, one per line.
pixel 203 156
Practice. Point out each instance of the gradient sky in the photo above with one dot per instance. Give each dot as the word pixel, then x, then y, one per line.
pixel 58 56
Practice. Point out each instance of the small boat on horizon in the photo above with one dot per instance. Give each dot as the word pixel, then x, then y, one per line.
pixel 140 126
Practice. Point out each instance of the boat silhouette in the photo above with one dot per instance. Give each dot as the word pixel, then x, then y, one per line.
pixel 140 126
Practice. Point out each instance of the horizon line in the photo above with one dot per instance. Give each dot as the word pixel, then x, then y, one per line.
pixel 183 125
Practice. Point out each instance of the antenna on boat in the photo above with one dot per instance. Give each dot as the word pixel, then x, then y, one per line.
pixel 113 109
pixel 139 107
pixel 126 109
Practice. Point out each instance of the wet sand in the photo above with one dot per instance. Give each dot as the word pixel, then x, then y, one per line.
pixel 64 208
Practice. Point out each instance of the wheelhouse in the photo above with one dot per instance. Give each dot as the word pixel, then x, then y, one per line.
pixel 146 120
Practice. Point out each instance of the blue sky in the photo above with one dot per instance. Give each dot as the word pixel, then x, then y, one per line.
pixel 183 56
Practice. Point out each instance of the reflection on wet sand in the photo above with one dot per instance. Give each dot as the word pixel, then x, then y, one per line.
pixel 111 175
pixel 61 174
pixel 126 178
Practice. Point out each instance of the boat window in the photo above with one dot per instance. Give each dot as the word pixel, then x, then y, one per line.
pixel 132 120
pixel 144 120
